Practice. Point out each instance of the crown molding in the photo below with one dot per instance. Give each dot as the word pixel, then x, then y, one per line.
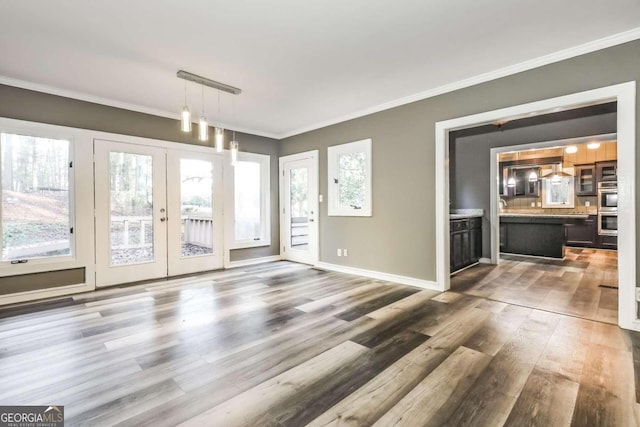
pixel 558 56
pixel 51 90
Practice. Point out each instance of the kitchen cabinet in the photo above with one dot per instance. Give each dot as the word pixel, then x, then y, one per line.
pixel 585 180
pixel 608 242
pixel 582 232
pixel 523 187
pixel 531 235
pixel 607 171
pixel 465 242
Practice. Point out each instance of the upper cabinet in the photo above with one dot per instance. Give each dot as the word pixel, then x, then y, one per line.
pixel 607 171
pixel 585 180
pixel 521 182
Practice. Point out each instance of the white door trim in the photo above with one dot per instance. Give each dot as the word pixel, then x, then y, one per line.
pixel 625 95
pixel 313 156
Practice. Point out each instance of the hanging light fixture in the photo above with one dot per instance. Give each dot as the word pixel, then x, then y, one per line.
pixel 511 182
pixel 533 176
pixel 186 114
pixel 203 126
pixel 233 145
pixel 219 131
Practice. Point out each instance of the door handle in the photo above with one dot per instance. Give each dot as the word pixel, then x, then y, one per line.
pixel 163 219
pixel 310 219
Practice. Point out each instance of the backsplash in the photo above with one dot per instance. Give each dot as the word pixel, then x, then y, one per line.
pixel 523 205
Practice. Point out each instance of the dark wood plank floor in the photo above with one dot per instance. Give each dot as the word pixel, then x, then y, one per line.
pixel 282 344
pixel 584 284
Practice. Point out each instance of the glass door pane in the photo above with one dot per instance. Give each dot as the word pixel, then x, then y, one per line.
pixel 131 208
pixel 196 207
pixel 299 208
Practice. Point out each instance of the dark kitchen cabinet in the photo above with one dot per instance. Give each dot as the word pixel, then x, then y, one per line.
pixel 608 242
pixel 582 232
pixel 585 181
pixel 607 171
pixel 523 186
pixel 465 242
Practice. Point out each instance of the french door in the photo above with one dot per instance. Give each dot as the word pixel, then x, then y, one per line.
pixel 158 212
pixel 299 207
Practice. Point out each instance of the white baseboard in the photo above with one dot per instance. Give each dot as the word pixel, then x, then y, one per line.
pixel 44 293
pixel 404 280
pixel 253 261
pixel 484 260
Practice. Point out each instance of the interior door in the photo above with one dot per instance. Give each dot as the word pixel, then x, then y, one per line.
pixel 299 207
pixel 195 224
pixel 130 203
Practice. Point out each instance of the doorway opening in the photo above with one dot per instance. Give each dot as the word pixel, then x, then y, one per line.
pixel 624 96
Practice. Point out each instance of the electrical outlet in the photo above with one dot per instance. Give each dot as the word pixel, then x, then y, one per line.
pixel 533 204
pixel 339 252
pixel 344 252
pixel 587 203
pixel 539 204
pixel 320 198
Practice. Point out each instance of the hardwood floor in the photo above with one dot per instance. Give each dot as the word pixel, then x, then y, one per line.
pixel 282 344
pixel 584 284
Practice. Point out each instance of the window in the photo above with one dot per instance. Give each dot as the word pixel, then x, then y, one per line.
pixel 349 174
pixel 36 199
pixel 558 194
pixel 251 194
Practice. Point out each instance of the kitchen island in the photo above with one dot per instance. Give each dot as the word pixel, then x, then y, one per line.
pixel 535 234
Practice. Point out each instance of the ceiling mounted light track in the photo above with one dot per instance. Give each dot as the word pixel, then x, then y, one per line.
pixel 208 82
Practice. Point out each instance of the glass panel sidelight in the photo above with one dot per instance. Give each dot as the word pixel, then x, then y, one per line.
pixel 35 197
pixel 247 182
pixel 299 208
pixel 131 177
pixel 196 207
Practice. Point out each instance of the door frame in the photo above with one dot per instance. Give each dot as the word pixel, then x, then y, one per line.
pixel 625 95
pixel 314 249
pixel 106 273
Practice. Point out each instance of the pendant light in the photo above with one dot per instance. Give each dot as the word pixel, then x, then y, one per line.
pixel 233 145
pixel 186 114
pixel 219 132
pixel 511 182
pixel 533 176
pixel 203 126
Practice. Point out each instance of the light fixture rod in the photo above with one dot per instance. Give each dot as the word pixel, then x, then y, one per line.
pixel 208 82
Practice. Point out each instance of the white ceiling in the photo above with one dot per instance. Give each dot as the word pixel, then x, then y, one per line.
pixel 301 64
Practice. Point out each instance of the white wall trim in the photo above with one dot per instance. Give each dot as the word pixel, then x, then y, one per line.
pixel 625 95
pixel 253 261
pixel 485 261
pixel 39 294
pixel 81 96
pixel 404 280
pixel 551 58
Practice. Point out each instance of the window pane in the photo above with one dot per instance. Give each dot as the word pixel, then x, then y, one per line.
pixel 558 193
pixel 248 221
pixel 35 197
pixel 196 186
pixel 351 180
pixel 131 208
pixel 299 208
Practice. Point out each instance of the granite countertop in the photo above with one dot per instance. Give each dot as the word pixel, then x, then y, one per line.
pixel 465 213
pixel 546 215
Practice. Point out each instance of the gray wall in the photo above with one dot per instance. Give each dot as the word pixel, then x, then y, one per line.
pixel 400 236
pixel 469 177
pixel 33 106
